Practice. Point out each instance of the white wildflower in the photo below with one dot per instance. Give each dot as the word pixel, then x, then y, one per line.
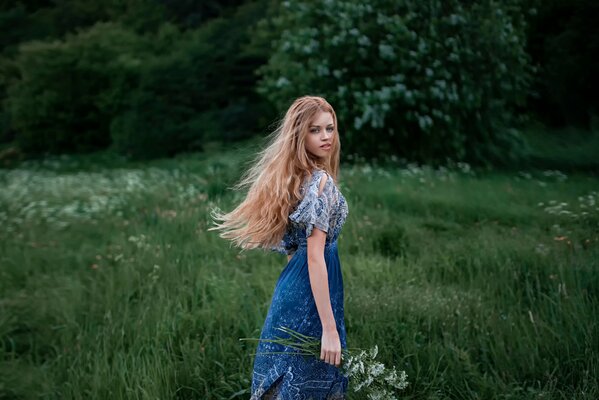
pixel 374 351
pixel 398 382
pixel 376 369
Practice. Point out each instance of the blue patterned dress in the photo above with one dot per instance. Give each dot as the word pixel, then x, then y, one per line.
pixel 293 376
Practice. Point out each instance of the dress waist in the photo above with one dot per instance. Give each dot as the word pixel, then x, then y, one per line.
pixel 327 246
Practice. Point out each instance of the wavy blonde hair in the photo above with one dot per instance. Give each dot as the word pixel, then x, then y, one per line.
pixel 275 178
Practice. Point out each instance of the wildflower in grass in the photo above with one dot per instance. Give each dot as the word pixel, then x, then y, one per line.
pixel 36 196
pixel 586 210
pixel 365 374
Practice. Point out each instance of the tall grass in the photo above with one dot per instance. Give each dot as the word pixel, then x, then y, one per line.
pixel 111 287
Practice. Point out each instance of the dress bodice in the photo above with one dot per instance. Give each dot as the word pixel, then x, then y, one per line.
pixel 327 212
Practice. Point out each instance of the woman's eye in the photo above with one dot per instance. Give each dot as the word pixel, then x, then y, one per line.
pixel 330 129
pixel 313 130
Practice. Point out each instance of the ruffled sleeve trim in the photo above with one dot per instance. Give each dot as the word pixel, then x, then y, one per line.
pixel 313 209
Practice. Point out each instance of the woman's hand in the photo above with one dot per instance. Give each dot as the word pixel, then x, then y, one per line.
pixel 330 350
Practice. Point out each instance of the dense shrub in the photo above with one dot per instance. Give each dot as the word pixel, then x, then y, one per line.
pixel 147 95
pixel 55 103
pixel 426 80
pixel 564 41
pixel 198 87
pixel 8 72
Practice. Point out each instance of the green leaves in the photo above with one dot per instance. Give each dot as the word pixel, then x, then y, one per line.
pixel 425 80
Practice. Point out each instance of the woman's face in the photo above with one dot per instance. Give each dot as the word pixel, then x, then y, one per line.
pixel 320 137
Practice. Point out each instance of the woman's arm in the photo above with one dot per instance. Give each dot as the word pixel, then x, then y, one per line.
pixel 319 281
pixel 330 349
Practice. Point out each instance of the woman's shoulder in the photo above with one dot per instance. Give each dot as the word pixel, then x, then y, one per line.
pixel 318 176
pixel 312 183
pixel 319 173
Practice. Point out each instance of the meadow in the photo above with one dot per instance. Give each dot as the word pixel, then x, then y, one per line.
pixel 479 284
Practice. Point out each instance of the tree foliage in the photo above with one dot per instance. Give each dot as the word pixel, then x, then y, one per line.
pixel 428 80
pixel 423 80
pixel 147 95
pixel 55 104
pixel 564 42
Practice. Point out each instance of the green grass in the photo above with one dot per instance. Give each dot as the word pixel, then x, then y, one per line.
pixel 111 288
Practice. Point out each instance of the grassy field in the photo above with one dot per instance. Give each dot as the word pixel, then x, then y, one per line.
pixel 479 284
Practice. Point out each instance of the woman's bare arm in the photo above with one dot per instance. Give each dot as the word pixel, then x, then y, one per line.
pixel 319 279
pixel 330 350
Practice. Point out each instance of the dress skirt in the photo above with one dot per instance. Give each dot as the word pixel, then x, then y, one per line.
pixel 293 376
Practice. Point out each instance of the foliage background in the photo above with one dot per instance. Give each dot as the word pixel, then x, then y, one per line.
pixel 470 138
pixel 422 80
pixel 428 81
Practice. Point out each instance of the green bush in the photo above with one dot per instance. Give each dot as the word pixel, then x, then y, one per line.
pixel 426 80
pixel 56 104
pixel 146 95
pixel 563 40
pixel 198 87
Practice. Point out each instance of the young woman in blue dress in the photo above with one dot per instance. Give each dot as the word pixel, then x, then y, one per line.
pixel 293 206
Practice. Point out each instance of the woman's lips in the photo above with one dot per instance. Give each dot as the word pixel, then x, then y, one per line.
pixel 325 147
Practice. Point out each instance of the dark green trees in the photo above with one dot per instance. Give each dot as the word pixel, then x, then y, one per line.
pixel 425 80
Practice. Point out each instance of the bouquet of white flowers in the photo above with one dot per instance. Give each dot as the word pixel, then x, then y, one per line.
pixel 364 372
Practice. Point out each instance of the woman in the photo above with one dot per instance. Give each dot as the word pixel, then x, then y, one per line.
pixel 294 206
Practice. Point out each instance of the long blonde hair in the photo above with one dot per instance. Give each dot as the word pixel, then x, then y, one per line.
pixel 275 178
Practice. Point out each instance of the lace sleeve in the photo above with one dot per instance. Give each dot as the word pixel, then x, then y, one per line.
pixel 313 209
